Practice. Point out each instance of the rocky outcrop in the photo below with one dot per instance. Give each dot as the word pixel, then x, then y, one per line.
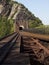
pixel 1 7
pixel 3 2
pixel 16 11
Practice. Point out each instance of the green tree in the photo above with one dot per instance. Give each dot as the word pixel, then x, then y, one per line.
pixel 35 23
pixel 5 27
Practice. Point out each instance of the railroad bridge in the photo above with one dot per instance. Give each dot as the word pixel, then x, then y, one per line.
pixel 24 48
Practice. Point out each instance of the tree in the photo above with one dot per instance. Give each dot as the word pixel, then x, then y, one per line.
pixel 5 26
pixel 35 23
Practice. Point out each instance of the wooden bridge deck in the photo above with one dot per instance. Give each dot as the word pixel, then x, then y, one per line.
pixel 15 57
pixel 27 50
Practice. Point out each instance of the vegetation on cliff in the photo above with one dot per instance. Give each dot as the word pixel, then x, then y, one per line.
pixel 35 23
pixel 6 27
pixel 15 10
pixel 44 29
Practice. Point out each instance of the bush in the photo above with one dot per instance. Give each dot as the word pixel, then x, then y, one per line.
pixel 5 26
pixel 44 29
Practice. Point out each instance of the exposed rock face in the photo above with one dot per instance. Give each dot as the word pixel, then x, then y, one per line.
pixel 1 7
pixel 3 2
pixel 16 11
pixel 6 10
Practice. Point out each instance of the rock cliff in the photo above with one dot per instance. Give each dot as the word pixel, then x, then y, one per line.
pixel 14 10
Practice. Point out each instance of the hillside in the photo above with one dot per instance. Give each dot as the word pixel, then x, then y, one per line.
pixel 15 10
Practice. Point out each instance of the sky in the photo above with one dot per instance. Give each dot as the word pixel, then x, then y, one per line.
pixel 40 8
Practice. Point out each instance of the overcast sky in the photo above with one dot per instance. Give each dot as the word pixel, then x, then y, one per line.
pixel 39 8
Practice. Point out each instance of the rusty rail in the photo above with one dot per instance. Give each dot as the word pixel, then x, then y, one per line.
pixel 39 54
pixel 6 36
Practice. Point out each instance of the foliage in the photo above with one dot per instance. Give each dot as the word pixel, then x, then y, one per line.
pixel 5 26
pixel 35 23
pixel 42 29
pixel 8 0
pixel 12 25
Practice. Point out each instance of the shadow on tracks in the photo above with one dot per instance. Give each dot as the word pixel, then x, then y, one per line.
pixel 5 49
pixel 26 49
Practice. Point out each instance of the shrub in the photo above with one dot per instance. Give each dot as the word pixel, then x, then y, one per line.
pixel 5 26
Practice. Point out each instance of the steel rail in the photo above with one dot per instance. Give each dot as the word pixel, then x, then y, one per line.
pixel 4 51
pixel 7 36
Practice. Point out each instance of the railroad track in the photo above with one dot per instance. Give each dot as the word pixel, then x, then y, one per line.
pixel 24 49
pixel 39 54
pixel 8 41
